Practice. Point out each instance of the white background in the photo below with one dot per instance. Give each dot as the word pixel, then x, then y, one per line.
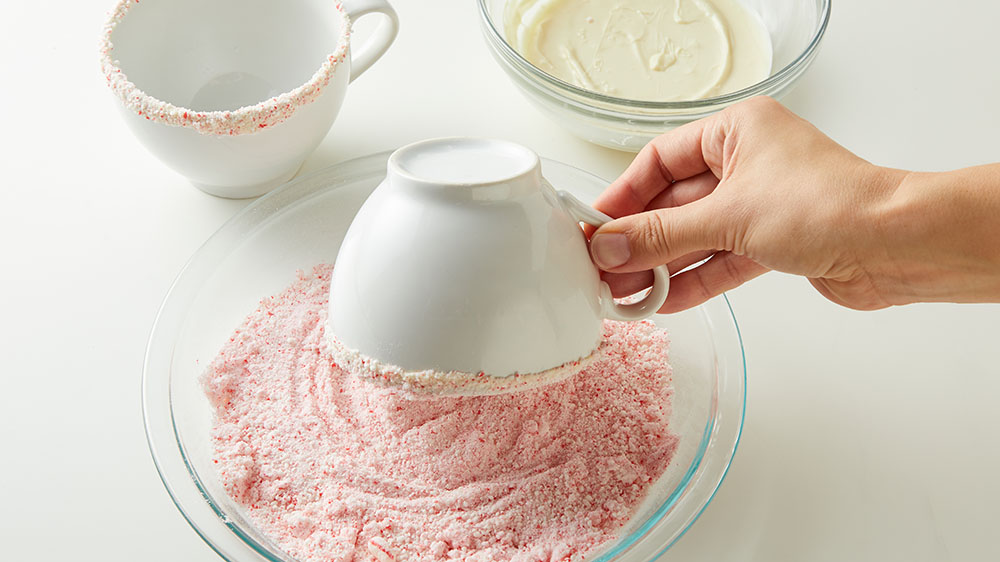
pixel 869 436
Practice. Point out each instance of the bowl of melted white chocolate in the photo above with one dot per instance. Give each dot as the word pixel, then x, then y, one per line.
pixel 620 72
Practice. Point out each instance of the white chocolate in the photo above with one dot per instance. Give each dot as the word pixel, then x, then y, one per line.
pixel 653 50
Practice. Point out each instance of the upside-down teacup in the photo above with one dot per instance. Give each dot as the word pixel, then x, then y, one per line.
pixel 465 260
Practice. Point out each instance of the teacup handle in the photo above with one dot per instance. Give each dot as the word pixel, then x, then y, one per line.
pixel 661 277
pixel 382 37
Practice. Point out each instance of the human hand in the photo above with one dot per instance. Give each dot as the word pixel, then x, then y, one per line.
pixel 756 188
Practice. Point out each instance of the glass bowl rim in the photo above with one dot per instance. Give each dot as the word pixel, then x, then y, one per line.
pixel 163 446
pixel 553 84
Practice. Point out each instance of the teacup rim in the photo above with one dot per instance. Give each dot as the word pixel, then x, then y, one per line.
pixel 240 121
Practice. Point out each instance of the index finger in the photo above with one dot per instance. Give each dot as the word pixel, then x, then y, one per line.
pixel 670 157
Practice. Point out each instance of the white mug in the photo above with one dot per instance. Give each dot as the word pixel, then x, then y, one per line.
pixel 235 94
pixel 466 260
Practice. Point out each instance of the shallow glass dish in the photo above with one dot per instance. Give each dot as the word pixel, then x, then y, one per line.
pixel 796 28
pixel 302 224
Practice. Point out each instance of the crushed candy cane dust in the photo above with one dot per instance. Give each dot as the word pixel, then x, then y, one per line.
pixel 334 468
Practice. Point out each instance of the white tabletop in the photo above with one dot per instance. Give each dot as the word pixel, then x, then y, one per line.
pixel 869 436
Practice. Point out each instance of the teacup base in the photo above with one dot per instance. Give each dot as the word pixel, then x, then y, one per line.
pixel 246 191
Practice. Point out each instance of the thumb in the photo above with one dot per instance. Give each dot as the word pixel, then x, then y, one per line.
pixel 645 240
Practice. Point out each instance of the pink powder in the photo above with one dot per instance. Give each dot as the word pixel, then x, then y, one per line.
pixel 333 468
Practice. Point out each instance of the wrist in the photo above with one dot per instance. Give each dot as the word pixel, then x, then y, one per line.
pixel 939 236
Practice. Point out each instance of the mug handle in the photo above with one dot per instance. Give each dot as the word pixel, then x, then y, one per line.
pixel 661 277
pixel 381 39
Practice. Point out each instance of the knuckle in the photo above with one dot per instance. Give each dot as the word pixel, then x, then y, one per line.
pixel 660 233
pixel 658 164
pixel 757 109
pixel 734 235
pixel 701 287
pixel 762 104
pixel 733 274
pixel 654 235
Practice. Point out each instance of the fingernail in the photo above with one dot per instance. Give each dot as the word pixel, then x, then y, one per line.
pixel 609 250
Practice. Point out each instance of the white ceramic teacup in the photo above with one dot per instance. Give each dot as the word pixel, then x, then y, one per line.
pixel 235 94
pixel 466 260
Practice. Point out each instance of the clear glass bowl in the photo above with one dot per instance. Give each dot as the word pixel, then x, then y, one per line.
pixel 796 28
pixel 302 224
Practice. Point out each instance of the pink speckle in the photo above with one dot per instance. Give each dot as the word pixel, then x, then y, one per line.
pixel 331 467
pixel 239 122
pixel 379 548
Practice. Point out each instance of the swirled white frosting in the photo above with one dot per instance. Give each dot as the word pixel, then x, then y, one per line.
pixel 655 50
